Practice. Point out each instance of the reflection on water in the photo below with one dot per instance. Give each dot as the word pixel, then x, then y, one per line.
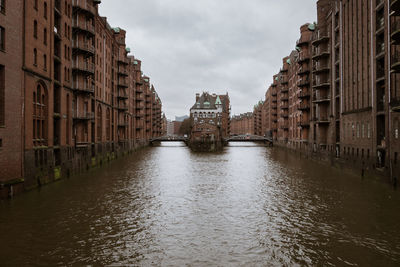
pixel 248 205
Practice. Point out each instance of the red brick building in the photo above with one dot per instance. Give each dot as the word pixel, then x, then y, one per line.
pixel 242 124
pixel 11 94
pixel 210 117
pixel 338 93
pixel 84 98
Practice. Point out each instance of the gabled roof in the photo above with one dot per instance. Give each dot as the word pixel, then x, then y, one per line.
pixel 208 101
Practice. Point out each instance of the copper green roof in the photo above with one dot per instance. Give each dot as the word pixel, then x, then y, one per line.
pixel 128 49
pixel 311 26
pixel 218 101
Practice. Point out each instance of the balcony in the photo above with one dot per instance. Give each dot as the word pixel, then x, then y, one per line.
pixel 57 33
pixel 83 26
pixel 303 123
pixel 304 94
pixel 304 57
pixel 123 84
pixel 285 115
pixel 304 82
pixel 82 66
pixel 304 70
pixel 284 90
pixel 283 70
pixel 302 42
pixel 395 62
pixel 123 124
pixel 395 32
pixel 122 95
pixel 285 98
pixel 319 85
pixel 83 5
pixel 380 24
pixel 317 69
pixel 380 50
pixel 395 7
pixel 321 99
pixel 82 115
pixel 323 120
pixel 284 80
pixel 123 72
pixel 83 88
pixel 284 106
pixel 320 54
pixel 284 126
pixel 84 47
pixel 320 39
pixel 395 104
pixel 57 6
pixel 122 106
pixel 123 61
pixel 304 106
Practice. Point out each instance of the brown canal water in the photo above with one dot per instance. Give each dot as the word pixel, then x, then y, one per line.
pixel 167 206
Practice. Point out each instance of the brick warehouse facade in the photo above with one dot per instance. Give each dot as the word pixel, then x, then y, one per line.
pixel 338 93
pixel 11 95
pixel 71 96
pixel 242 124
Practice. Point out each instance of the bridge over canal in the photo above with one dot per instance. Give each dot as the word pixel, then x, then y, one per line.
pixel 236 138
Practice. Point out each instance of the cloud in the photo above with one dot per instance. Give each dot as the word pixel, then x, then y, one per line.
pixel 189 46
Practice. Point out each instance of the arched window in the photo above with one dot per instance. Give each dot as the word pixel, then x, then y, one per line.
pixel 35 29
pixel 36 4
pixel 45 10
pixel 44 62
pixel 99 124
pixel 40 115
pixel 108 123
pixel 45 36
pixel 35 57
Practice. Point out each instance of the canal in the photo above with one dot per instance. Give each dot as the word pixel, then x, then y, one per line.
pixel 246 206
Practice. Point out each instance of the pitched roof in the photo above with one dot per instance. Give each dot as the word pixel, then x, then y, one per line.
pixel 209 101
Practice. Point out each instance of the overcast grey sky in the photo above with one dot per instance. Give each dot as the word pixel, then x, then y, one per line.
pixel 220 46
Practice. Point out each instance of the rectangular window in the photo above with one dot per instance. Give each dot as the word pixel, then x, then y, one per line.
pixel 2 95
pixel 2 39
pixel 3 6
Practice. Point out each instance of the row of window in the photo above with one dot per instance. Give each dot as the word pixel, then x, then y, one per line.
pixel 35 59
pixel 205 115
pixel 36 7
pixel 357 130
pixel 67 9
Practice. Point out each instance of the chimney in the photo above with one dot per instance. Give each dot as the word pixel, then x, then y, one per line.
pixel 197 97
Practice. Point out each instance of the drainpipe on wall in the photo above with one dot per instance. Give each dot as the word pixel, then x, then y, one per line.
pixel 389 91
